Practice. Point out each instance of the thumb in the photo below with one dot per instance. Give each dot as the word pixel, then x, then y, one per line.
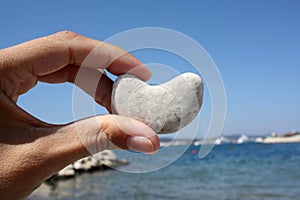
pixel 91 135
pixel 114 132
pixel 49 148
pixel 64 144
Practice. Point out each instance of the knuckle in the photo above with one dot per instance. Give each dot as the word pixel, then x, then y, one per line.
pixel 68 35
pixel 112 132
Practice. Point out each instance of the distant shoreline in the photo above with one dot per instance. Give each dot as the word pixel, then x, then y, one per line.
pixel 271 139
pixel 290 139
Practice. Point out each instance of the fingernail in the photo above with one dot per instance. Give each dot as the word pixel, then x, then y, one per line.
pixel 140 144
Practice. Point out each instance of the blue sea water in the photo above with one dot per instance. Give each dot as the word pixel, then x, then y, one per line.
pixel 231 171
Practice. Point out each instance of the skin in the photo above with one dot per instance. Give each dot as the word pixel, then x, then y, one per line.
pixel 31 150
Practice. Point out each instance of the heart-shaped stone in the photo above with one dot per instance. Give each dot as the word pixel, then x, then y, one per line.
pixel 165 108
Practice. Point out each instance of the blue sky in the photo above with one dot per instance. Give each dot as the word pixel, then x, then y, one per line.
pixel 255 44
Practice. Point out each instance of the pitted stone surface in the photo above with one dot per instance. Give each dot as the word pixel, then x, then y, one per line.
pixel 165 108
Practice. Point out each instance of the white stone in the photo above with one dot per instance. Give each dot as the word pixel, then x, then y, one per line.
pixel 165 108
pixel 68 171
pixel 86 163
pixel 107 157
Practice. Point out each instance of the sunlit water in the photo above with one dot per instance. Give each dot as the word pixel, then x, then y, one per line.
pixel 230 171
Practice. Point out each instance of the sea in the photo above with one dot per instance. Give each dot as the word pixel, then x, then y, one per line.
pixel 229 172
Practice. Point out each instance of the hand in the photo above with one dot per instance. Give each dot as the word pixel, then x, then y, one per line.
pixel 32 150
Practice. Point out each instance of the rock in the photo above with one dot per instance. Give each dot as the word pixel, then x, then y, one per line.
pixel 100 161
pixel 165 108
pixel 106 155
pixel 94 162
pixel 67 172
pixel 107 158
pixel 86 164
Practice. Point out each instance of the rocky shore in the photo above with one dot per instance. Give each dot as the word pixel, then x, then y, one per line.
pixel 101 161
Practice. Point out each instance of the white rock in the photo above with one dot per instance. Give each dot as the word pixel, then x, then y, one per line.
pixel 165 108
pixel 106 157
pixel 68 171
pixel 86 163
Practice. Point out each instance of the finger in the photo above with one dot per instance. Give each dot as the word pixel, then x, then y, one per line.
pixel 96 134
pixel 117 132
pixel 65 144
pixel 66 74
pixel 94 82
pixel 49 54
pixel 45 151
pixel 116 60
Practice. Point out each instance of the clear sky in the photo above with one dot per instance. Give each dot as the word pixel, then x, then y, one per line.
pixel 255 44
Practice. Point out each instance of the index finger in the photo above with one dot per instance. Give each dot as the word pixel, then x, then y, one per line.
pixel 116 60
pixel 49 54
pixel 101 55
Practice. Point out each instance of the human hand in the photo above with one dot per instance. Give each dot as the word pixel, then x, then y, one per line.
pixel 32 150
